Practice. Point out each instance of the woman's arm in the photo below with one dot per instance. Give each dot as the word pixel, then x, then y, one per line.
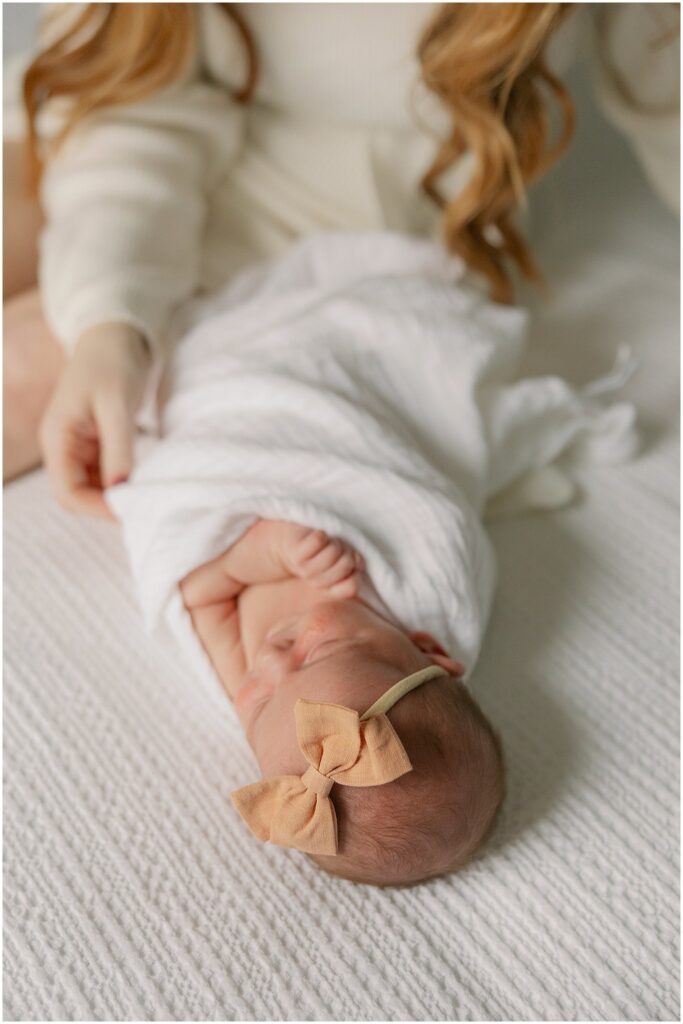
pixel 124 205
pixel 124 202
pixel 21 223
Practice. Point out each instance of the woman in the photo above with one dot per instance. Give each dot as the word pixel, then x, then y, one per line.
pixel 181 142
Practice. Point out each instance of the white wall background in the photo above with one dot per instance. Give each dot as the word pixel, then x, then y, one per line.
pixel 18 24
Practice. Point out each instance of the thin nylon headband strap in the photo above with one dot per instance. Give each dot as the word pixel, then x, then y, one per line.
pixel 401 688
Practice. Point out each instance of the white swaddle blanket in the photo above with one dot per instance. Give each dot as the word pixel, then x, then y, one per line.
pixel 359 386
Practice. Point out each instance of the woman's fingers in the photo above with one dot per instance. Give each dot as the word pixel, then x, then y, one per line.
pixel 71 454
pixel 87 445
pixel 115 432
pixel 88 501
pixel 87 431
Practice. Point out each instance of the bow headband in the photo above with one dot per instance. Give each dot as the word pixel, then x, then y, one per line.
pixel 340 746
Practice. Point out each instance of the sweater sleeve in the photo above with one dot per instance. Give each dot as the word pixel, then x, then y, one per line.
pixel 125 203
pixel 637 74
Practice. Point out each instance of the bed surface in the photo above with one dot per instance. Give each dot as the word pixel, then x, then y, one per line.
pixel 133 892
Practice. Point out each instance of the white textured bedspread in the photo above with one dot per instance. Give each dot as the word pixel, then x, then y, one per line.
pixel 132 892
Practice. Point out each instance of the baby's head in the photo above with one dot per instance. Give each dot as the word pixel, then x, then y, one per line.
pixel 430 820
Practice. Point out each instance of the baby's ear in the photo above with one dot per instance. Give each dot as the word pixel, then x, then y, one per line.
pixel 431 646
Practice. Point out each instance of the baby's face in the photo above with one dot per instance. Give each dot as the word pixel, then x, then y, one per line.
pixel 340 652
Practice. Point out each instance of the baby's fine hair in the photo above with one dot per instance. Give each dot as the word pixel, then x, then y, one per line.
pixel 432 820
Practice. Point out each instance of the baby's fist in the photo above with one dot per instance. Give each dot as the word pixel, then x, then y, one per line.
pixel 326 562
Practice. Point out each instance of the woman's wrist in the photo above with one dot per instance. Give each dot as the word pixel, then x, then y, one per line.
pixel 115 336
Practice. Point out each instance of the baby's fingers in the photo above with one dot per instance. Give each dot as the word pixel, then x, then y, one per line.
pixel 309 544
pixel 347 588
pixel 319 565
pixel 345 564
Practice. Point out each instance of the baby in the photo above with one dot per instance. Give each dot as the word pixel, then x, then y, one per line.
pixel 360 387
pixel 281 620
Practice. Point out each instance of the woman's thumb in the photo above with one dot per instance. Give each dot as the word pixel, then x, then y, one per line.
pixel 115 428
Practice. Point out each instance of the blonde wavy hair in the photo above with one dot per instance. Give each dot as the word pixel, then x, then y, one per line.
pixel 485 61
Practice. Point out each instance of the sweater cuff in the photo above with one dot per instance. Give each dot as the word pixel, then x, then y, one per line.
pixel 133 302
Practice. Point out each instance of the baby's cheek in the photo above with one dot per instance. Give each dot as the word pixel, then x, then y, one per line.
pixel 249 696
pixel 275 740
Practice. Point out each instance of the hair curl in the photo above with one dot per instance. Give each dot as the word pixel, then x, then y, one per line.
pixel 484 61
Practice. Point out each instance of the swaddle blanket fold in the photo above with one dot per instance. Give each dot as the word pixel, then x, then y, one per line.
pixel 361 385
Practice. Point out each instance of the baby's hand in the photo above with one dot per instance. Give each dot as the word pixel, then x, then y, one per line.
pixel 326 562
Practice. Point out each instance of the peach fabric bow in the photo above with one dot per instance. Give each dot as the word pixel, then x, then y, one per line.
pixel 340 746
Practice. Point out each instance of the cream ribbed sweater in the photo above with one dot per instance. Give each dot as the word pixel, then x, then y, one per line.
pixel 148 203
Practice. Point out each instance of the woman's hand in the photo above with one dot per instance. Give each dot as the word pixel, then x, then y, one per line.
pixel 86 435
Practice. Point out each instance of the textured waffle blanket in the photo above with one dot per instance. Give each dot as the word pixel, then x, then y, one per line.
pixel 359 386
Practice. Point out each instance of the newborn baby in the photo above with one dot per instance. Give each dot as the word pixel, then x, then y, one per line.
pixel 356 388
pixel 280 618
